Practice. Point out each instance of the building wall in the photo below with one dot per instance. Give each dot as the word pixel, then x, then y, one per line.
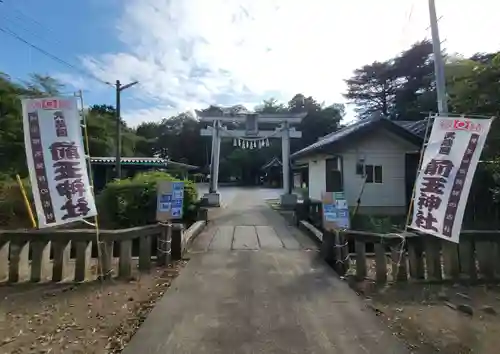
pixel 379 148
pixel 316 166
pixel 317 177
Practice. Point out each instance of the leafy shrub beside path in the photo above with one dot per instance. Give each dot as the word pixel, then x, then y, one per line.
pixel 132 202
pixel 125 203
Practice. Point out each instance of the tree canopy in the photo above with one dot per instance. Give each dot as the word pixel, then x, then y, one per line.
pixel 400 88
pixel 177 138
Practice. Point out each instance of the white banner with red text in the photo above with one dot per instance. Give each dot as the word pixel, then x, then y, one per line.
pixel 56 161
pixel 444 180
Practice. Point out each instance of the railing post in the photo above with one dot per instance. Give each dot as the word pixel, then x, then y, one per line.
pixel 301 211
pixel 342 244
pixel 40 259
pixel 164 252
pixel 177 242
pixel 398 256
pixel 18 259
pixel 125 260
pixel 83 258
pixel 61 259
pixel 105 248
pixel 360 248
pixel 4 260
pixel 327 248
pixel 145 253
pixel 202 215
pixel 380 262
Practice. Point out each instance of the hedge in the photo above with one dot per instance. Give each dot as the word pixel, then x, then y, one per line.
pixel 13 213
pixel 132 202
pixel 125 203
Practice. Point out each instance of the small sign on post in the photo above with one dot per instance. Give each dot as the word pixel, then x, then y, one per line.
pixel 335 219
pixel 170 201
pixel 335 211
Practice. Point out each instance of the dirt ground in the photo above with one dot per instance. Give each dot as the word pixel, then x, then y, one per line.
pixel 449 319
pixel 97 317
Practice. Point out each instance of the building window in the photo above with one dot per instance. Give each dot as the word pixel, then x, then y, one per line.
pixel 373 174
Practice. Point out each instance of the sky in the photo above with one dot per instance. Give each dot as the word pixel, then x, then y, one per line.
pixel 188 54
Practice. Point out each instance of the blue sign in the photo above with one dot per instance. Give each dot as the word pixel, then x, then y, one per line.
pixel 178 186
pixel 176 213
pixel 165 206
pixel 171 200
pixel 177 199
pixel 337 212
pixel 178 194
pixel 165 198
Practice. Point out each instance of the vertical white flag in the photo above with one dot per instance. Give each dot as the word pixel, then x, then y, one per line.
pixel 56 161
pixel 444 180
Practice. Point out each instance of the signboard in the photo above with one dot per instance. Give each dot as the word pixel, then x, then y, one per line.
pixel 56 161
pixel 335 211
pixel 443 182
pixel 170 201
pixel 251 125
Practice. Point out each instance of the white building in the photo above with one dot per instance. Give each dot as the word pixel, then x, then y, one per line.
pixel 373 160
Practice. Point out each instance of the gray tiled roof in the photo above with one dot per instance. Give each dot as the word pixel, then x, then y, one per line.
pixel 415 128
pixel 336 136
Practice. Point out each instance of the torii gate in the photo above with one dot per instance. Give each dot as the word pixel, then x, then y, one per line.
pixel 250 138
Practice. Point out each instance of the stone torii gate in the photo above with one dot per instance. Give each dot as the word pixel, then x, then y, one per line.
pixel 251 137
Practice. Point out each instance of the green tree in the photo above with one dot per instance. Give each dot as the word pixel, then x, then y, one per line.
pixel 399 88
pixel 12 152
pixel 44 85
pixel 318 122
pixel 473 89
pixel 177 138
pixel 101 128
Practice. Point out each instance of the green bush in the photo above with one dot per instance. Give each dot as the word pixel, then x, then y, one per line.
pixel 132 202
pixel 13 213
pixel 378 223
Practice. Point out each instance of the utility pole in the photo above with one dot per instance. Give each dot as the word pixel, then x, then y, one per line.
pixel 119 89
pixel 442 97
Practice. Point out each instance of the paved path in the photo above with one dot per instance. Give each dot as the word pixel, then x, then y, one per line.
pixel 255 285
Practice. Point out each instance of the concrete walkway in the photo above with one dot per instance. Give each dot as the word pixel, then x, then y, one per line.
pixel 254 285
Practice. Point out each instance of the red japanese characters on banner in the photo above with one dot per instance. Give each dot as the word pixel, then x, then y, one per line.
pixel 443 182
pixel 56 159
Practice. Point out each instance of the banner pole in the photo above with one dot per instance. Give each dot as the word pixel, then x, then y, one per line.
pixel 424 146
pixel 26 201
pixel 79 94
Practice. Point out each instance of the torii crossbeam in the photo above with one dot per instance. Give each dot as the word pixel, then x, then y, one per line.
pixel 217 116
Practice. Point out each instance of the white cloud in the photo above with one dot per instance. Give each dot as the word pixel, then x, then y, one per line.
pixel 191 53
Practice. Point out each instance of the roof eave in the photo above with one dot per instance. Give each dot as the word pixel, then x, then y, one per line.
pixel 391 126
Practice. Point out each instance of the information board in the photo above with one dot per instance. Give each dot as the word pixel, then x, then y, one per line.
pixel 170 201
pixel 335 211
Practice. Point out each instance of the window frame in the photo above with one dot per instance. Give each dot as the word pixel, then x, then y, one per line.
pixel 371 174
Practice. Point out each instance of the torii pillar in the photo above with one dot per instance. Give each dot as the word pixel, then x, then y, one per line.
pixel 217 131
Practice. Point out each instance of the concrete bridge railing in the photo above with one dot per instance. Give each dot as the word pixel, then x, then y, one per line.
pixel 72 255
pixel 414 257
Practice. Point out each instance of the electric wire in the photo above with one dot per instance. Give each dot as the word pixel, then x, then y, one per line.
pixel 54 57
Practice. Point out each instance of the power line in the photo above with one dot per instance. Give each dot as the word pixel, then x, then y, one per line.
pixel 52 56
pixel 21 16
pixel 22 24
